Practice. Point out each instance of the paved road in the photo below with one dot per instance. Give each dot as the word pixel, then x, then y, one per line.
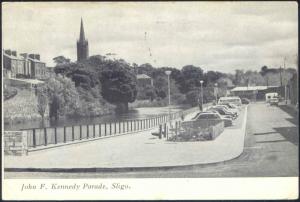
pixel 271 150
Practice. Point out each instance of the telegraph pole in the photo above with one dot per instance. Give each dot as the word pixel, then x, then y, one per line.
pixel 285 83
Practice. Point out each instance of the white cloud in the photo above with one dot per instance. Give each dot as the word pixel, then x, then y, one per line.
pixel 214 35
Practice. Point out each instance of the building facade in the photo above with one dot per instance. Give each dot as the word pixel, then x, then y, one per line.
pixel 23 65
pixel 144 80
pixel 82 45
pixel 256 92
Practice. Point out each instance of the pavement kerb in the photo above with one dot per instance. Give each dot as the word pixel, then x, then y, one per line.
pixel 86 140
pixel 118 169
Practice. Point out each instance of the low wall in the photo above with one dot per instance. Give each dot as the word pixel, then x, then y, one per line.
pixel 209 128
pixel 217 129
pixel 15 143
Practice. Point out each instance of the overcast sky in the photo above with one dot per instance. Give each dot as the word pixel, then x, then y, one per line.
pixel 221 36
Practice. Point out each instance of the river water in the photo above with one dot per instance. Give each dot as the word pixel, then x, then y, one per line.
pixel 137 113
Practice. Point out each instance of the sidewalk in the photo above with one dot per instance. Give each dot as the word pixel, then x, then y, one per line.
pixel 134 151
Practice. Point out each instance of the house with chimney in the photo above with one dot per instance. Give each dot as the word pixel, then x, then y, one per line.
pixel 23 66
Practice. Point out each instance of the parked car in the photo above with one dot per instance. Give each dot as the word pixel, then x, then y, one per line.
pixel 223 112
pixel 245 101
pixel 233 110
pixel 233 106
pixel 213 115
pixel 274 101
pixel 269 96
pixel 227 110
pixel 235 100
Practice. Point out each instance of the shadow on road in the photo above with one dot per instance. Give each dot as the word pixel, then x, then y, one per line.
pixel 264 133
pixel 292 112
pixel 291 134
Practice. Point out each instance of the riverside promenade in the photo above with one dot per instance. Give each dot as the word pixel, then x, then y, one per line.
pixel 136 150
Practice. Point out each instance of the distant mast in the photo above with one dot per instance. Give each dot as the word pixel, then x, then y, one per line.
pixel 82 45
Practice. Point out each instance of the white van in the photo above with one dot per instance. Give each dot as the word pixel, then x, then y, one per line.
pixel 270 96
pixel 234 100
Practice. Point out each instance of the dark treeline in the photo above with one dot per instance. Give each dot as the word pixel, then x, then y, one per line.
pixel 104 85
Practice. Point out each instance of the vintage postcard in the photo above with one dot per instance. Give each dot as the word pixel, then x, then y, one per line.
pixel 150 100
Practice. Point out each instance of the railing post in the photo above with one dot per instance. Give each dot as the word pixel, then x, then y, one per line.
pixel 55 135
pixel 93 130
pixel 45 136
pixel 87 131
pixel 123 127
pixel 110 128
pixel 99 129
pixel 119 127
pixel 115 127
pixel 165 130
pixel 33 138
pixel 134 125
pixel 64 134
pixel 80 133
pixel 73 133
pixel 131 125
pixel 160 131
pixel 127 124
pixel 104 129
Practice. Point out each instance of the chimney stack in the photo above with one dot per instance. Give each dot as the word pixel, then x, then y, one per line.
pixel 25 55
pixel 14 53
pixel 37 56
pixel 8 52
pixel 31 56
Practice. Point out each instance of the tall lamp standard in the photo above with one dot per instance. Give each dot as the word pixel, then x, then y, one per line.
pixel 168 72
pixel 201 82
pixel 216 92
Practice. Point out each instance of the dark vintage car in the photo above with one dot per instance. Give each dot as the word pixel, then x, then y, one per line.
pixel 213 115
pixel 223 111
pixel 245 101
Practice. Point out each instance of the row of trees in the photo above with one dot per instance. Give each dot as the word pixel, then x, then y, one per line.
pixel 90 87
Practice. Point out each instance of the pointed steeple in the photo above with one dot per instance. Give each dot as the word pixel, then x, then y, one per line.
pixel 82 45
pixel 81 37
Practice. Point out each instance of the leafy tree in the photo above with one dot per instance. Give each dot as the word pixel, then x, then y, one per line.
pixel 192 97
pixel 118 84
pixel 42 100
pixel 150 92
pixel 61 60
pixel 63 96
pixel 264 70
pixel 191 78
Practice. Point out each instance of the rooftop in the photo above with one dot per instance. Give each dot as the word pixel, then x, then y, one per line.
pixel 251 88
pixel 31 81
pixel 13 57
pixel 143 76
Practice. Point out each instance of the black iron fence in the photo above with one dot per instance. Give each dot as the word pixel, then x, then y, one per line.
pixel 57 135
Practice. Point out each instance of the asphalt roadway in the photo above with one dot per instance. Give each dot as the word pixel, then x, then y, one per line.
pixel 271 150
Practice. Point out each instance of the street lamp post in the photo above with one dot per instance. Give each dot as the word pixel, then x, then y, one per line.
pixel 168 72
pixel 216 92
pixel 201 82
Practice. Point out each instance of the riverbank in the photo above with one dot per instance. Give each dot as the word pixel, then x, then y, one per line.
pixel 147 103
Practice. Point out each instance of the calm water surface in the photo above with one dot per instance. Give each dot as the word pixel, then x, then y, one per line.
pixel 137 113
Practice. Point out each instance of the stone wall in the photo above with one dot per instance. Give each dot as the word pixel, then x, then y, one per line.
pixel 15 143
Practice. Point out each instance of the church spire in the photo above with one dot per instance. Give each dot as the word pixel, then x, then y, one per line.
pixel 81 37
pixel 82 45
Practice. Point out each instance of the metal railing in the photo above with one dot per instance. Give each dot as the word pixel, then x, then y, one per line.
pixel 57 135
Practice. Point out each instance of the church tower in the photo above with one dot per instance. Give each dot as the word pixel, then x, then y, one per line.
pixel 82 45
